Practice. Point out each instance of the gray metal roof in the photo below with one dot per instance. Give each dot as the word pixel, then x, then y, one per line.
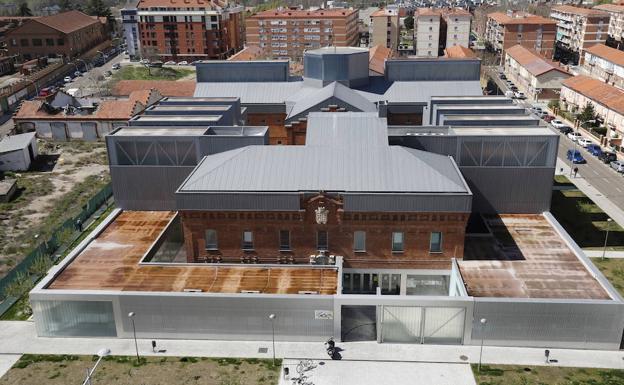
pixel 335 90
pixel 423 91
pixel 336 50
pixel 331 162
pixel 16 142
pixel 251 92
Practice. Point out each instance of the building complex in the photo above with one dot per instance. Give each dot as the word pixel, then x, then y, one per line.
pixel 385 28
pixel 605 63
pixel 287 33
pixel 578 29
pixel 407 206
pixel 505 30
pixel 616 24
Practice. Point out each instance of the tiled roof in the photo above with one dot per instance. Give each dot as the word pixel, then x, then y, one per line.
pixel 377 56
pixel 27 109
pixel 455 11
pixel 67 22
pixel 428 12
pixel 459 52
pixel 611 54
pixel 530 60
pixel 384 12
pixel 297 13
pixel 579 11
pixel 165 87
pixel 115 110
pixel 251 52
pixel 209 4
pixel 610 7
pixel 600 92
pixel 520 18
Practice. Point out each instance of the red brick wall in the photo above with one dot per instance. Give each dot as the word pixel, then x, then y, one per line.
pixel 527 36
pixel 275 121
pixel 341 225
pixel 404 119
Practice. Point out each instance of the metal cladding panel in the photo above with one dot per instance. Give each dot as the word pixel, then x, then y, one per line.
pixel 439 144
pixel 234 201
pixel 480 110
pixel 243 71
pixel 431 70
pixel 214 144
pixel 147 187
pixel 265 108
pixel 548 323
pixel 510 190
pixel 483 100
pixel 408 202
pixel 349 69
pixel 226 318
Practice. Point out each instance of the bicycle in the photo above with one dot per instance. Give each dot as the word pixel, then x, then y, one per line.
pixel 305 365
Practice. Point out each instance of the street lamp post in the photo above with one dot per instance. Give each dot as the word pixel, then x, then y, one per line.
pixel 604 249
pixel 483 322
pixel 101 354
pixel 136 345
pixel 272 318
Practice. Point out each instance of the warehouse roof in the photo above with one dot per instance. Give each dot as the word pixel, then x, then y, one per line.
pixel 332 90
pixel 67 22
pixel 15 142
pixel 364 165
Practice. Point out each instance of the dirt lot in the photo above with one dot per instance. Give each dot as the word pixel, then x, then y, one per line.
pixel 65 176
pixel 62 370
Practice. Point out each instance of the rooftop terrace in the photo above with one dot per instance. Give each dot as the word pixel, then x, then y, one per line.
pixel 111 262
pixel 526 258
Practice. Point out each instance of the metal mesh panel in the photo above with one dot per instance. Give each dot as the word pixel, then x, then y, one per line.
pixel 444 325
pixel 74 318
pixel 402 324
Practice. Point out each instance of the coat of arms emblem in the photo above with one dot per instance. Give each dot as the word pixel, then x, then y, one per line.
pixel 321 215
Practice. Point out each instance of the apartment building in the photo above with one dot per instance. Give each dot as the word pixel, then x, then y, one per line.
pixel 130 25
pixel 287 33
pixel 67 34
pixel 605 63
pixel 427 32
pixel 504 30
pixel 455 28
pixel 190 30
pixel 578 29
pixel 538 78
pixel 385 29
pixel 616 24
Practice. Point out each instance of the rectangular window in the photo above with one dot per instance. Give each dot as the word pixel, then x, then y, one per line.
pixel 24 42
pixel 284 240
pixel 60 42
pixel 435 244
pixel 359 241
pixel 49 42
pixel 247 240
pixel 211 240
pixel 397 242
pixel 37 42
pixel 321 240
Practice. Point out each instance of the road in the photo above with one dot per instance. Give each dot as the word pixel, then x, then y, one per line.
pixel 601 176
pixel 91 82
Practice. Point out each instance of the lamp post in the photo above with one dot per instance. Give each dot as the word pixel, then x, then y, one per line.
pixel 483 322
pixel 136 345
pixel 604 249
pixel 101 354
pixel 272 318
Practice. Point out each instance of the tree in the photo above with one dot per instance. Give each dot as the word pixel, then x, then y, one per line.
pixel 24 10
pixel 588 113
pixel 409 22
pixel 66 5
pixel 98 8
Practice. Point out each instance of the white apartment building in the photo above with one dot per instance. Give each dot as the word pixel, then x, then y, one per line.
pixel 579 29
pixel 616 22
pixel 385 28
pixel 605 63
pixel 457 24
pixel 427 32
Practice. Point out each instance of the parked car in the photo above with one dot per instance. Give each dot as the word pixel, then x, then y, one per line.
pixel 557 123
pixel 594 149
pixel 514 88
pixel 502 76
pixel 575 156
pixel 195 62
pixel 183 63
pixel 574 136
pixel 618 166
pixel 565 130
pixel 77 73
pixel 116 66
pixel 170 63
pixel 520 95
pixel 584 142
pixel 67 79
pixel 607 157
pixel 46 91
pixel 510 94
pixel 548 118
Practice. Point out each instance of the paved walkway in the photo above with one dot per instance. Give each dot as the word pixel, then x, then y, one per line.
pixel 376 373
pixel 19 337
pixel 608 254
pixel 6 361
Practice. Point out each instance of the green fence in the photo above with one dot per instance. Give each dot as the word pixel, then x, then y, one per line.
pixel 64 235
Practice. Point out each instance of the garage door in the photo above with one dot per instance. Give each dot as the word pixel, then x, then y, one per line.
pixel 59 132
pixel 423 325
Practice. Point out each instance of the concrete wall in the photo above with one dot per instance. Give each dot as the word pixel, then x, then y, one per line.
pixel 15 160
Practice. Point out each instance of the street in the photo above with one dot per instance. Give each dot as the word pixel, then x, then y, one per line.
pixel 91 82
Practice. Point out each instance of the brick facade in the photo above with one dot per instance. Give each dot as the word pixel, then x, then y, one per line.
pixel 340 227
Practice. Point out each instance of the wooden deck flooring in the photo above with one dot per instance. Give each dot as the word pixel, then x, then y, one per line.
pixel 111 262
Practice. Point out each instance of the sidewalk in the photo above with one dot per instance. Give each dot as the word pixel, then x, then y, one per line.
pixel 615 212
pixel 19 337
pixel 608 254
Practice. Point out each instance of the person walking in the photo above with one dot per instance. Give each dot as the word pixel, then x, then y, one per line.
pixel 575 171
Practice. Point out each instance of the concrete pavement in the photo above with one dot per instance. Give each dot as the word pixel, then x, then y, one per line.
pixel 19 337
pixel 7 361
pixel 609 254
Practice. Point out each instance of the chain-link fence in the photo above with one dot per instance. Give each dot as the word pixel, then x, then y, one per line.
pixel 34 265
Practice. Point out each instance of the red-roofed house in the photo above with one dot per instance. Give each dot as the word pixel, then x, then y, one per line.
pixel 73 118
pixel 605 63
pixel 504 30
pixel 64 34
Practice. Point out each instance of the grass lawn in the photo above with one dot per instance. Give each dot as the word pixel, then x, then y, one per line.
pixel 120 370
pixel 613 269
pixel 546 375
pixel 142 73
pixel 583 219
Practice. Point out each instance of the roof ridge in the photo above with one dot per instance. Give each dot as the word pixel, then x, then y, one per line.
pixel 234 153
pixel 418 154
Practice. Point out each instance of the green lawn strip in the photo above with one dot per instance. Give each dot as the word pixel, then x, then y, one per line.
pixel 69 369
pixel 143 73
pixel 613 270
pixel 545 375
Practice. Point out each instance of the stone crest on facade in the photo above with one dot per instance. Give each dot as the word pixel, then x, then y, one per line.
pixel 321 215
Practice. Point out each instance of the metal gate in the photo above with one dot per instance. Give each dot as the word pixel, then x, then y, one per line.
pixel 423 325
